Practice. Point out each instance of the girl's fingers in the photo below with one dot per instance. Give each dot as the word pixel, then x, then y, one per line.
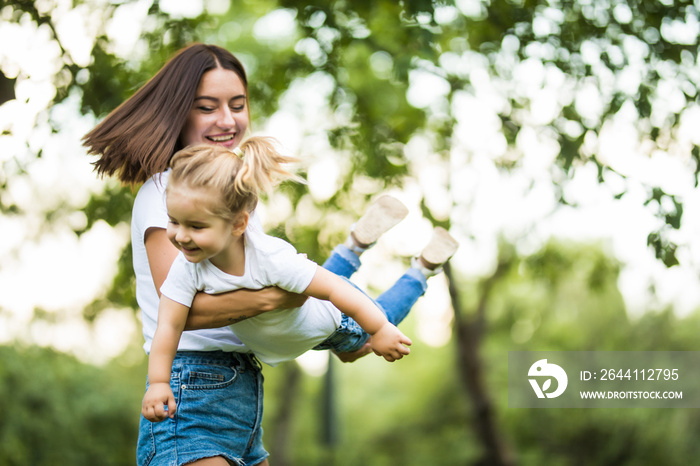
pixel 150 414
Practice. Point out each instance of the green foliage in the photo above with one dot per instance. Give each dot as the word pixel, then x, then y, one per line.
pixel 122 291
pixel 568 297
pixel 411 35
pixel 664 249
pixel 57 411
pixel 107 90
pixel 113 205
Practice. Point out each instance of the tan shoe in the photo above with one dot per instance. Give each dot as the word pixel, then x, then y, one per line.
pixel 441 247
pixel 384 213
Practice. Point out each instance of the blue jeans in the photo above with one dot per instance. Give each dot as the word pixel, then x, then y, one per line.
pixel 396 302
pixel 219 400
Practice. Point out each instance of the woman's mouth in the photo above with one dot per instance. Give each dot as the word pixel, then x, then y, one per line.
pixel 221 138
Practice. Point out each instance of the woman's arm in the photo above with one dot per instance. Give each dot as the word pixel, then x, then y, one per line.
pixel 161 255
pixel 213 311
pixel 220 310
pixel 387 340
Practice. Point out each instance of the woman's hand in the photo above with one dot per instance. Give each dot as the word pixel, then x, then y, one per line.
pixel 352 356
pixel 281 299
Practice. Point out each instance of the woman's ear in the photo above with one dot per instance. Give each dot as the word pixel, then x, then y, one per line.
pixel 240 223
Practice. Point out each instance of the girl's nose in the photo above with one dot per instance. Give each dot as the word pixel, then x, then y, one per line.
pixel 181 235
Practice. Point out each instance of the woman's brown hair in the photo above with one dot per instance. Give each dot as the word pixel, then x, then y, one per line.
pixel 138 139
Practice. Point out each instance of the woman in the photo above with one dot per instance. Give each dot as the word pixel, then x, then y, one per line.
pixel 199 96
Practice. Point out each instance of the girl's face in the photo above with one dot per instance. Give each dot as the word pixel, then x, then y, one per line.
pixel 193 230
pixel 219 113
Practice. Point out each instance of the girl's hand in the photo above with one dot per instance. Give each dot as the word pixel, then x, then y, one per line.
pixel 390 343
pixel 157 397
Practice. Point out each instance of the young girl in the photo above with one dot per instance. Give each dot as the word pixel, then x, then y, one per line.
pixel 210 194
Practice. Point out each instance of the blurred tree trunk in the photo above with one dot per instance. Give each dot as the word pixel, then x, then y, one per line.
pixel 329 417
pixel 469 332
pixel 280 451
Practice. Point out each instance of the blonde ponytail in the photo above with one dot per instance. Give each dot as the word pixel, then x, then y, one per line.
pixel 238 176
pixel 262 166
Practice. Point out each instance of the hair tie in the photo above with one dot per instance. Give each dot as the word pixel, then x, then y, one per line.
pixel 238 152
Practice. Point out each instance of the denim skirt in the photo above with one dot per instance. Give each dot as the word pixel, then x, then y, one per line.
pixel 219 398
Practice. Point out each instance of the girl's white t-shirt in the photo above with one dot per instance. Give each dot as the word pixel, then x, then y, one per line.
pixel 150 211
pixel 274 336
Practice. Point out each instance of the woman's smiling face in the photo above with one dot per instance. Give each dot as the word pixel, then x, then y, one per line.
pixel 219 113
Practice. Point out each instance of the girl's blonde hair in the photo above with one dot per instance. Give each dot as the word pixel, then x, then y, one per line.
pixel 238 176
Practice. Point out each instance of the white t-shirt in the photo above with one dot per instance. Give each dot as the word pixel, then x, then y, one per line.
pixel 274 336
pixel 149 211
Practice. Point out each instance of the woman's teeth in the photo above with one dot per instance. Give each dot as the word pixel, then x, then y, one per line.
pixel 225 138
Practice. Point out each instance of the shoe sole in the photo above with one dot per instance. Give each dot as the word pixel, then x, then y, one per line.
pixel 441 247
pixel 382 215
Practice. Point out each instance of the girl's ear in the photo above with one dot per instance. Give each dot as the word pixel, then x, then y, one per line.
pixel 240 223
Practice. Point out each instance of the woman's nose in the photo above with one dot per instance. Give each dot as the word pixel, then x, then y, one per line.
pixel 226 120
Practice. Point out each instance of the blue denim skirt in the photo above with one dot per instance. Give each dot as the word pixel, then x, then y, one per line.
pixel 219 398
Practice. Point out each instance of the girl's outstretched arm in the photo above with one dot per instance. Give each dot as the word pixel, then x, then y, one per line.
pixel 387 340
pixel 213 311
pixel 171 322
